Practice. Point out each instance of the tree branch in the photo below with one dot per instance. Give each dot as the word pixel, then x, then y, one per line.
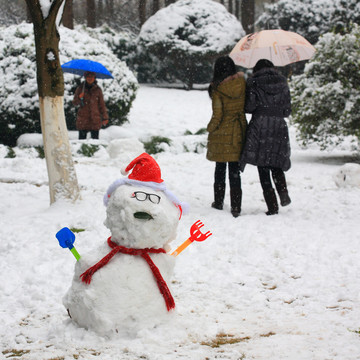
pixel 34 8
pixel 54 9
pixel 36 11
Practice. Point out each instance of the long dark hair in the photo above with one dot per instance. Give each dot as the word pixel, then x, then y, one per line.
pixel 224 67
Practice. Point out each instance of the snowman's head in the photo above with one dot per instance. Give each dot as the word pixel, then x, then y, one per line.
pixel 140 217
pixel 141 211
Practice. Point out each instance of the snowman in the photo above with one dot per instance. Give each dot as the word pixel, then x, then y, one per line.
pixel 123 286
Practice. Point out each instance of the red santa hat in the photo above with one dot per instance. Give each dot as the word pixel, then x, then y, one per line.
pixel 145 172
pixel 144 168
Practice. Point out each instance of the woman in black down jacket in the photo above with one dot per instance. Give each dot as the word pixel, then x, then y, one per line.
pixel 267 144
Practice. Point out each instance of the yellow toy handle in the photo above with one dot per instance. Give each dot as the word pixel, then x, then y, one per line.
pixel 182 247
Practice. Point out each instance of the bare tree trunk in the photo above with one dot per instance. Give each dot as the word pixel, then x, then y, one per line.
pixel 100 13
pixel 108 11
pixel 68 16
pixel 248 15
pixel 155 6
pixel 237 8
pixel 231 9
pixel 91 13
pixel 28 15
pixel 62 177
pixel 142 12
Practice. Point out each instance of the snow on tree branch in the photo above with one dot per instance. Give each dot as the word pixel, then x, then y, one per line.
pixel 46 7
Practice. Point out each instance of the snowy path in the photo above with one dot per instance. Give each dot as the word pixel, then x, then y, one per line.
pixel 264 288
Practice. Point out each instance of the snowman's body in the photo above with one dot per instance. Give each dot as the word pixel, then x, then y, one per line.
pixel 123 295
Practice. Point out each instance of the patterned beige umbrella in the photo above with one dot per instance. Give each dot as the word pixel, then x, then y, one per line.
pixel 279 46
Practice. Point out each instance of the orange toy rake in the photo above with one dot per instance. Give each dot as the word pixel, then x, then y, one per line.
pixel 195 235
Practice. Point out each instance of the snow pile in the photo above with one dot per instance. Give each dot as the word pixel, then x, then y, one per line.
pixel 348 175
pixel 125 149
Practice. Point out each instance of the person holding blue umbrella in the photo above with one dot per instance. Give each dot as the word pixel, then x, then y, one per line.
pixel 92 113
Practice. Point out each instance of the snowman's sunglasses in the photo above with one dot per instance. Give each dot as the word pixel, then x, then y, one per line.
pixel 142 196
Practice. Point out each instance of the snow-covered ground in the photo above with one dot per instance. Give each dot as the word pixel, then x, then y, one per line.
pixel 264 288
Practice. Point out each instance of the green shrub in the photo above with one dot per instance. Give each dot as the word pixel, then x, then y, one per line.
pixel 41 152
pixel 154 145
pixel 88 150
pixel 11 153
pixel 201 131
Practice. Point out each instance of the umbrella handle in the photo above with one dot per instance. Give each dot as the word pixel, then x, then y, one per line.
pixel 82 99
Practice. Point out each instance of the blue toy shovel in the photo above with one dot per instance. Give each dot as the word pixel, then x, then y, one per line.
pixel 66 240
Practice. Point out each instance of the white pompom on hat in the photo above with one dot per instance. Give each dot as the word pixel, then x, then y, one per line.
pixel 145 172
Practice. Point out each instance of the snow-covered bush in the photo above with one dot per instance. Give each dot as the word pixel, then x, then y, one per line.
pixel 185 38
pixel 326 98
pixel 19 103
pixel 122 43
pixel 345 12
pixel 309 18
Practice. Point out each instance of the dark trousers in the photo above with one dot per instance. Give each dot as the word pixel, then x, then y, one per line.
pixel 83 133
pixel 265 180
pixel 234 174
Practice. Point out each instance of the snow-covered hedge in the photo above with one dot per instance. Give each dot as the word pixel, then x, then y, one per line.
pixel 310 18
pixel 345 13
pixel 185 38
pixel 19 104
pixel 326 98
pixel 122 43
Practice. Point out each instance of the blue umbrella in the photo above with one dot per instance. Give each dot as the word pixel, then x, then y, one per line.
pixel 80 66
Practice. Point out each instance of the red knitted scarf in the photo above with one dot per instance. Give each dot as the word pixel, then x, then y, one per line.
pixel 144 253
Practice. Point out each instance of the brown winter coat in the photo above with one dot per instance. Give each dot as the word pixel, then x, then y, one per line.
pixel 93 112
pixel 228 123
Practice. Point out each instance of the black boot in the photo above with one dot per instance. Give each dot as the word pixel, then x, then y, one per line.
pixel 284 198
pixel 271 202
pixel 281 188
pixel 219 193
pixel 235 200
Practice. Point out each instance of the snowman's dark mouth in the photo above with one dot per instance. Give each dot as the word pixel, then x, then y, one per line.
pixel 143 216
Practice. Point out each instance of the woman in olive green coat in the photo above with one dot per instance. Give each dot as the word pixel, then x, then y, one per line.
pixel 227 129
